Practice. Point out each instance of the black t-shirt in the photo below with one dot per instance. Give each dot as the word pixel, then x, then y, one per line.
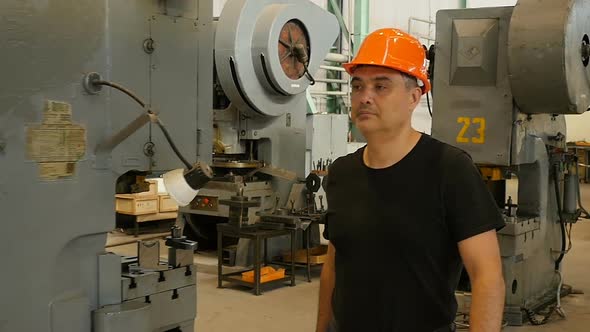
pixel 396 231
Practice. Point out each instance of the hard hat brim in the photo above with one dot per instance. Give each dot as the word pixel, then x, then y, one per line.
pixel 400 66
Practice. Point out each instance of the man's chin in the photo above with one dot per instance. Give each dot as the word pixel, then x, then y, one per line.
pixel 365 127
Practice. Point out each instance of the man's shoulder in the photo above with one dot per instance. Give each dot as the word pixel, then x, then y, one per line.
pixel 347 162
pixel 448 154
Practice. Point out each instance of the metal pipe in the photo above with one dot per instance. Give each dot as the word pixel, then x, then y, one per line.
pixel 570 190
pixel 361 22
pixel 423 36
pixel 331 80
pixel 351 23
pixel 338 14
pixel 329 93
pixel 570 199
pixel 335 57
pixel 332 68
pixel 421 20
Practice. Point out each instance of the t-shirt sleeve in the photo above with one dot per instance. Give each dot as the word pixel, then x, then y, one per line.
pixel 470 208
pixel 326 232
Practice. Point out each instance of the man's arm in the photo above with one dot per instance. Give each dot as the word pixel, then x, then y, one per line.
pixel 481 257
pixel 327 281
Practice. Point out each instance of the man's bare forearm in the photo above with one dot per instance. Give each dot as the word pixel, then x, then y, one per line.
pixel 487 305
pixel 327 282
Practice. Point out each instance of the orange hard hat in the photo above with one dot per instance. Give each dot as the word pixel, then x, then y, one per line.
pixel 395 49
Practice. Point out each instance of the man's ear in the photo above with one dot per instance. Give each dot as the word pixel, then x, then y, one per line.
pixel 415 97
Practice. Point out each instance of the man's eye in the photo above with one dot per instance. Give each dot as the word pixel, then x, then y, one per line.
pixel 381 87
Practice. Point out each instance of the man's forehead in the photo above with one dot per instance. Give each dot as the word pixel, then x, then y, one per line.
pixel 374 73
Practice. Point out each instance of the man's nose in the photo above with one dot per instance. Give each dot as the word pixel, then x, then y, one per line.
pixel 365 96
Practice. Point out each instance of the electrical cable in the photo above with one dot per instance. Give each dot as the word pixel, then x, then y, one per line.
pixel 531 315
pixel 535 321
pixel 558 307
pixel 559 212
pixel 550 309
pixel 308 75
pixel 172 145
pixel 122 89
pixel 428 102
pixel 152 115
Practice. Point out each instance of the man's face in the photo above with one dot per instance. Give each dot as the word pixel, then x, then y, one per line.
pixel 381 101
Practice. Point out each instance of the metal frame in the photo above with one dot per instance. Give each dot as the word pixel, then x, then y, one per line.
pixel 257 235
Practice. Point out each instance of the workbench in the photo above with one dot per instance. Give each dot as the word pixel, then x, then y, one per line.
pixel 305 228
pixel 260 237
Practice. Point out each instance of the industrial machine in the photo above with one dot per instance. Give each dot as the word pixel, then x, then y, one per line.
pixel 503 80
pixel 265 54
pixel 65 142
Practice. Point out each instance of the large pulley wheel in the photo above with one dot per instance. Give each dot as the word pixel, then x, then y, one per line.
pixel 549 56
pixel 263 49
pixel 292 38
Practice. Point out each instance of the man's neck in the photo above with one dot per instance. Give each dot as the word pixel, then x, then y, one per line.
pixel 386 150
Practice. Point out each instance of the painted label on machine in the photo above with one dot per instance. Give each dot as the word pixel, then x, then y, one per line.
pixel 56 144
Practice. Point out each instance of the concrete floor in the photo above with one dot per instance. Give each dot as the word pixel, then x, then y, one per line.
pixel 293 309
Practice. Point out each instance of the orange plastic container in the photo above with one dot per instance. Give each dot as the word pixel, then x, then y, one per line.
pixel 267 274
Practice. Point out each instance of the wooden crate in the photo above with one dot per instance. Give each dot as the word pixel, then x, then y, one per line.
pixel 317 255
pixel 136 204
pixel 156 216
pixel 167 204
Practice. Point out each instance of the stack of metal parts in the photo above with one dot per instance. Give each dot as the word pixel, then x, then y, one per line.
pixel 238 210
pixel 151 294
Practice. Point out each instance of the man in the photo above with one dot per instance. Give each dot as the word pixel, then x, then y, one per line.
pixel 405 211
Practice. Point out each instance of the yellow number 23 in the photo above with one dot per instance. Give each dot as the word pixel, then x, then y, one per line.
pixel 481 131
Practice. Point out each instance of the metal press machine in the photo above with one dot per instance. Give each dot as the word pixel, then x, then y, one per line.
pixel 504 78
pixel 89 88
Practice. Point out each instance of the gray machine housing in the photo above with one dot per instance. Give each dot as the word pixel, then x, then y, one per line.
pixel 487 101
pixel 62 197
